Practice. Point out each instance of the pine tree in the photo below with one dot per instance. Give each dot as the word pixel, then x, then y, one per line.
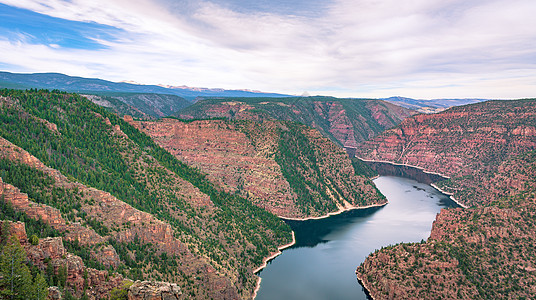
pixel 40 287
pixel 15 277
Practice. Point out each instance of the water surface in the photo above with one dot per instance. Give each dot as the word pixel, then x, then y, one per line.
pixel 322 263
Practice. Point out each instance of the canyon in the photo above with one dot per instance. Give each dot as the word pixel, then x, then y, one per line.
pixel 463 143
pixel 190 203
pixel 191 207
pixel 122 203
pixel 481 252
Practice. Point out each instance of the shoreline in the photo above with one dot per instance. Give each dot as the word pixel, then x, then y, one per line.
pixel 425 171
pixel 406 165
pixel 367 291
pixel 340 211
pixel 269 258
pixel 450 195
pixel 365 287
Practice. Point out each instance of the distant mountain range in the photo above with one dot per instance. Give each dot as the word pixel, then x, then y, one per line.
pixel 430 106
pixel 153 101
pixel 93 85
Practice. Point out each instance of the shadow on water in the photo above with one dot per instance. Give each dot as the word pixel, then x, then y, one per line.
pixel 388 169
pixel 313 232
pixel 310 233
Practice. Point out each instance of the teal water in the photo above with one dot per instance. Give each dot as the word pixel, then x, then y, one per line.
pixel 322 263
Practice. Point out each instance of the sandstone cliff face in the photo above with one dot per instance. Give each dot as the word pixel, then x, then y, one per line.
pixel 105 208
pixel 220 149
pixel 347 122
pixel 480 253
pixel 52 216
pixel 50 251
pixel 241 157
pixel 463 142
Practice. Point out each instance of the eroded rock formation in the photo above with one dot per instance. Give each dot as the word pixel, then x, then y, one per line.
pixel 483 252
pixel 241 157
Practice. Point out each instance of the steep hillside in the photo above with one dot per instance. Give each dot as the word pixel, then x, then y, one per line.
pixel 465 143
pixel 145 106
pixel 487 251
pixel 286 168
pixel 479 253
pixel 118 107
pixel 119 201
pixel 347 122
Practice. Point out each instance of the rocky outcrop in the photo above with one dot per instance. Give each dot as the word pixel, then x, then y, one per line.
pixel 150 290
pixel 16 229
pixel 52 216
pixel 50 251
pixel 54 293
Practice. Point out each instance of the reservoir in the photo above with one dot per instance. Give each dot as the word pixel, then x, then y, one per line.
pixel 322 263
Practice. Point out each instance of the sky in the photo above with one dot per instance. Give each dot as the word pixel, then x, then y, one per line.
pixel 346 48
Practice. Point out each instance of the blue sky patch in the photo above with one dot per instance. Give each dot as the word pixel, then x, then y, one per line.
pixel 16 24
pixel 309 8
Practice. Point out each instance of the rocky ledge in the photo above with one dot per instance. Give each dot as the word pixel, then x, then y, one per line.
pixel 151 290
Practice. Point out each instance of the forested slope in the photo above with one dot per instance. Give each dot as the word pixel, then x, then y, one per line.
pixel 109 179
pixel 287 168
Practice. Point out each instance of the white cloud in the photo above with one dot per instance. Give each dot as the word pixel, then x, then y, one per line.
pixel 355 48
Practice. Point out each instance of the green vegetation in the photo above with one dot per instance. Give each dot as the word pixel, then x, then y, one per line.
pixel 33 227
pixel 86 149
pixel 362 168
pixel 361 115
pixel 16 280
pixel 141 105
pixel 121 293
pixel 298 161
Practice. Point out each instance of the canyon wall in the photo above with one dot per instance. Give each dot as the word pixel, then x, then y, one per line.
pixel 347 122
pixel 244 158
pixel 463 143
pixel 484 252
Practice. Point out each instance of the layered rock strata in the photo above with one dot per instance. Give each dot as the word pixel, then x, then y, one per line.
pixel 346 122
pixel 131 223
pixel 241 157
pixel 483 252
pixel 463 143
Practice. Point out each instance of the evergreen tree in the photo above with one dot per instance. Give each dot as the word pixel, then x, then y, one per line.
pixel 15 277
pixel 40 287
